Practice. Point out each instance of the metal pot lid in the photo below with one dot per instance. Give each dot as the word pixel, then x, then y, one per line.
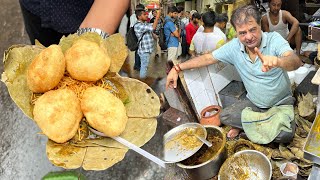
pixel 180 143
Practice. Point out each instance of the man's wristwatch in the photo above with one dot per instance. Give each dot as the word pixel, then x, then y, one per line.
pixel 103 34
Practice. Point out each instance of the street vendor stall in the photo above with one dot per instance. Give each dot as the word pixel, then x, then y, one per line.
pixel 312 146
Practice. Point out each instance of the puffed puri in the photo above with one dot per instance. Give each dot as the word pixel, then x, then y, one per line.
pixel 58 114
pixel 87 61
pixel 103 111
pixel 46 69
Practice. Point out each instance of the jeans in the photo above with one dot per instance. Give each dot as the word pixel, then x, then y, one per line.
pixel 144 57
pixel 137 61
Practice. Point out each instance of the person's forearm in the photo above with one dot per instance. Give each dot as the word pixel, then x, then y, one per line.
pixel 197 62
pixel 294 29
pixel 290 62
pixel 155 23
pixel 106 15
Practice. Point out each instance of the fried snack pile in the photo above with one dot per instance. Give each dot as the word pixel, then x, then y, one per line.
pixel 67 87
pixel 58 112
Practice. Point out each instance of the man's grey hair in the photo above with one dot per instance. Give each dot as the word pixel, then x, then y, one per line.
pixel 242 15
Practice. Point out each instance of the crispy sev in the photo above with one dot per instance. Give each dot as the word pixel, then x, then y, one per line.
pixel 78 87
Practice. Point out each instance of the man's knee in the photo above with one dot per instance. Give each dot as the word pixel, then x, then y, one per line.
pixel 286 137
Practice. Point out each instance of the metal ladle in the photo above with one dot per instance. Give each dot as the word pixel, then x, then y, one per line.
pixel 192 132
pixel 133 147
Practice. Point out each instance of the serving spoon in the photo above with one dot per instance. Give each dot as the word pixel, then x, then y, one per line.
pixel 133 147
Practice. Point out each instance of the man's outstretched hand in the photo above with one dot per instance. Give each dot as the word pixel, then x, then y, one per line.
pixel 268 62
pixel 172 79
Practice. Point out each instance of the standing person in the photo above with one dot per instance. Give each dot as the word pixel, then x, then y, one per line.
pixel 48 21
pixel 171 33
pixel 262 60
pixel 278 20
pixel 133 17
pixel 144 31
pixel 184 21
pixel 192 28
pixel 221 23
pixel 208 40
pixel 156 32
pixel 133 21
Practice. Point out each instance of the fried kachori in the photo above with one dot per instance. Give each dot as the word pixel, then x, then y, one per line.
pixel 46 69
pixel 104 111
pixel 58 114
pixel 87 61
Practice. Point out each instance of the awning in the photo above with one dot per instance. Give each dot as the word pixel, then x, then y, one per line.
pixel 153 5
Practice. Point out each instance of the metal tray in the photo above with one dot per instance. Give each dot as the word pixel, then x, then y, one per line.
pixel 312 147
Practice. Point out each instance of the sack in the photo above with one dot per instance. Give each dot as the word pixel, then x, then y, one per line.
pixel 132 40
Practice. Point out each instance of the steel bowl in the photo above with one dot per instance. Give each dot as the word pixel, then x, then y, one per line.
pixel 209 168
pixel 177 152
pixel 246 165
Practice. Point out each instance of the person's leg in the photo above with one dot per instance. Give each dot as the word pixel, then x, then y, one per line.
pixel 297 40
pixel 145 57
pixel 231 116
pixel 172 52
pixel 137 61
pixel 285 137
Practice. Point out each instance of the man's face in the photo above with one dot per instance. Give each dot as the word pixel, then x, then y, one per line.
pixel 174 15
pixel 249 33
pixel 187 15
pixel 143 16
pixel 275 6
pixel 154 13
pixel 196 21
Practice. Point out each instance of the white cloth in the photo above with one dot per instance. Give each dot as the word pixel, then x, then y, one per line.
pixel 185 21
pixel 133 20
pixel 281 27
pixel 218 31
pixel 206 42
pixel 215 29
pixel 150 15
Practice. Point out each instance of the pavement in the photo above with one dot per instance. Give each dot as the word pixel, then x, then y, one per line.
pixel 22 149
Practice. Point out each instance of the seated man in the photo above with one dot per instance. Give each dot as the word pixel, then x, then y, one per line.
pixel 277 20
pixel 262 60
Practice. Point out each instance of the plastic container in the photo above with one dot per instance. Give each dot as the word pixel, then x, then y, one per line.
pixel 289 170
pixel 300 74
pixel 211 115
pixel 291 75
